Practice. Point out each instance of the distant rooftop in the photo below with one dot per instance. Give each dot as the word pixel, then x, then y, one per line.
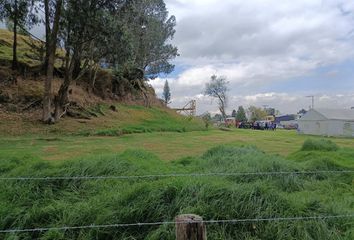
pixel 337 114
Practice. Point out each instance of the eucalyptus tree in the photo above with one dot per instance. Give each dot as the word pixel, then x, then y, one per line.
pixel 146 31
pixel 87 34
pixel 110 44
pixel 78 28
pixel 53 12
pixel 129 35
pixel 150 29
pixel 83 30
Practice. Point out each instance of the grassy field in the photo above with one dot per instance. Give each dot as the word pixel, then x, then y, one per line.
pixel 152 141
pixel 166 145
pixel 157 142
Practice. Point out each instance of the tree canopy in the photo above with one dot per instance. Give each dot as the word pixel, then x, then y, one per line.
pixel 149 28
pixel 129 36
pixel 166 93
pixel 218 88
pixel 233 114
pixel 256 113
pixel 241 114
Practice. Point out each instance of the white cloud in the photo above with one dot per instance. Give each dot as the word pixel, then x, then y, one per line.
pixel 258 43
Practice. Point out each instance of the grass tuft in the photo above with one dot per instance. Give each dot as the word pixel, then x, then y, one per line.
pixel 319 145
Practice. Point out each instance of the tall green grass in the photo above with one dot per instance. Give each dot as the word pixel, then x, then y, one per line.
pixel 75 203
pixel 319 145
pixel 151 120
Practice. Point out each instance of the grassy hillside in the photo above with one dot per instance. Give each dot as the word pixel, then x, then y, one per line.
pixel 76 203
pixel 125 120
pixel 23 51
pixel 138 119
pixel 17 119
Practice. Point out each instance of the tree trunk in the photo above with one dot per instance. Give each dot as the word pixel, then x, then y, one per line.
pixel 47 116
pixel 77 69
pixel 14 47
pixel 222 108
pixel 93 76
pixel 47 35
pixel 144 93
pixel 62 99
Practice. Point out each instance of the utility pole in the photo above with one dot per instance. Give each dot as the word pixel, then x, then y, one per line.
pixel 313 101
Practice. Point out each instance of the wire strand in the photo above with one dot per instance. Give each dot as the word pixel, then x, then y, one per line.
pixel 231 221
pixel 171 176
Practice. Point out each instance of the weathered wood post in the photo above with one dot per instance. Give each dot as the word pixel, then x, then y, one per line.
pixel 190 227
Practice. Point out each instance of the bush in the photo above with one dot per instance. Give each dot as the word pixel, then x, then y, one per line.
pixel 319 145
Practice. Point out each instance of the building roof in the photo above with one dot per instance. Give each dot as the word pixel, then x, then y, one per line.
pixel 337 114
pixel 288 117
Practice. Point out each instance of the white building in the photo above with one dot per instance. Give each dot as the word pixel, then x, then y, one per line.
pixel 328 122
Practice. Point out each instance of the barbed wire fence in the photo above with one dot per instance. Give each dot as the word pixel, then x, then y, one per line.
pixel 175 175
pixel 229 221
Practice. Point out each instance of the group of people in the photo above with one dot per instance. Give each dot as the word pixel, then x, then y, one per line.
pixel 264 126
pixel 257 125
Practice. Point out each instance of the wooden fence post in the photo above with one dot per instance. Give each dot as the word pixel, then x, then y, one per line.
pixel 190 227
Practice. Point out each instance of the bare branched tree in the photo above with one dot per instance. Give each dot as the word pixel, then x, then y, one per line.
pixel 217 88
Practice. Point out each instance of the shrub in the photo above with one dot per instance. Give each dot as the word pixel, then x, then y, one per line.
pixel 319 145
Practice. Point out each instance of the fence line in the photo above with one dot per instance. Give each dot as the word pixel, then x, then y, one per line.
pixel 237 174
pixel 232 221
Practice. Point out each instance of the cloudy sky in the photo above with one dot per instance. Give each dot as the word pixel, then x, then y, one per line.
pixel 273 52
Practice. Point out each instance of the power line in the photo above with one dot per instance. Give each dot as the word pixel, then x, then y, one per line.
pixel 232 221
pixel 237 174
